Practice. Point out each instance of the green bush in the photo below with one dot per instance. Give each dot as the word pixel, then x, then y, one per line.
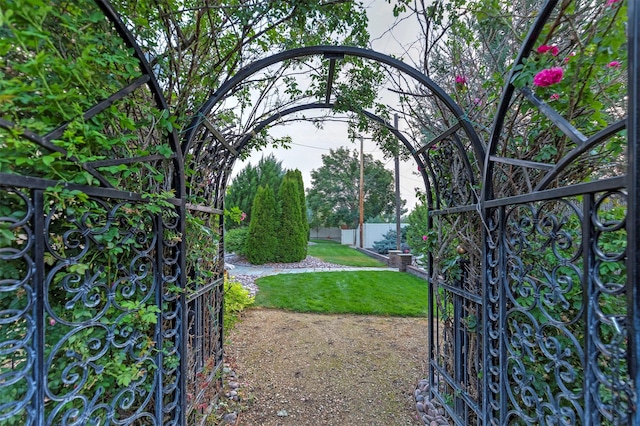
pixel 262 242
pixel 235 241
pixel 292 233
pixel 236 300
pixel 303 204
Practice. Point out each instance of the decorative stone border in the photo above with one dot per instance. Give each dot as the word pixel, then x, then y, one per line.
pixel 428 412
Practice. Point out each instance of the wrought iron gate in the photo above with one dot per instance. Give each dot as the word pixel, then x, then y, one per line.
pixel 92 264
pixel 105 318
pixel 532 291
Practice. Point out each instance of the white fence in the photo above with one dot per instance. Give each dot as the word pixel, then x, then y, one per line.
pixel 328 233
pixel 372 232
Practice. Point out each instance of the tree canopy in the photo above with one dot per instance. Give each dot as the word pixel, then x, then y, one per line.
pixel 334 194
pixel 243 188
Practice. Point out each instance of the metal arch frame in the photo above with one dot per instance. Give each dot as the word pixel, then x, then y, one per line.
pixel 145 68
pixel 179 185
pixel 633 185
pixel 507 94
pixel 332 52
pixel 319 105
pixel 583 143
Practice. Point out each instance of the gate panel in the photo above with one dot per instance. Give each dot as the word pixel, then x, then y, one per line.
pixel 554 298
pixel 204 304
pixel 559 335
pixel 91 236
pixel 456 312
pixel 88 309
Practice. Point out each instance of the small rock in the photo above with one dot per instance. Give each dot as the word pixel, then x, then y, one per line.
pixel 283 413
pixel 434 423
pixel 230 418
pixel 420 407
pixel 233 385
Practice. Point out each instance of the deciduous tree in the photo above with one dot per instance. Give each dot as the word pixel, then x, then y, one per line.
pixel 334 194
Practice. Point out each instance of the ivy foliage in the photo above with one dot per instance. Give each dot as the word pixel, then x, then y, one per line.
pixel 57 61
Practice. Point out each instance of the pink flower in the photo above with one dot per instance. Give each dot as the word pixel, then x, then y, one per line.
pixel 243 216
pixel 52 322
pixel 460 79
pixel 571 55
pixel 548 76
pixel 554 97
pixel 612 2
pixel 614 64
pixel 424 238
pixel 546 48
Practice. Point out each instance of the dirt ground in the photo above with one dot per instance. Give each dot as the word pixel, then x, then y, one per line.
pixel 308 369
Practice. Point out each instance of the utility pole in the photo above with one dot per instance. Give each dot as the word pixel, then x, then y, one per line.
pixel 361 190
pixel 397 164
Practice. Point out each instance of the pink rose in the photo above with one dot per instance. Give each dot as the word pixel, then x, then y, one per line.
pixel 546 48
pixel 554 97
pixel 614 64
pixel 568 58
pixel 548 76
pixel 424 238
pixel 52 322
pixel 612 2
pixel 460 79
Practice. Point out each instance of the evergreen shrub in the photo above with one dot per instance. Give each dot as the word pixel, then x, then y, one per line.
pixel 262 243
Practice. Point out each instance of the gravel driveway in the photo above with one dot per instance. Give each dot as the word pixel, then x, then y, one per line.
pixel 308 369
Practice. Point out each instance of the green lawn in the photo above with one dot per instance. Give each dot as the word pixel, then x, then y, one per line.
pixel 358 292
pixel 334 252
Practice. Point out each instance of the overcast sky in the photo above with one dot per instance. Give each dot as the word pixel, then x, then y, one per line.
pixel 309 143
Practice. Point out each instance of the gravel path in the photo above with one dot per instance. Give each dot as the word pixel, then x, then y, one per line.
pixel 345 370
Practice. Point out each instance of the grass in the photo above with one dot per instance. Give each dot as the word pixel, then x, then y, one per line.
pixel 334 252
pixel 386 293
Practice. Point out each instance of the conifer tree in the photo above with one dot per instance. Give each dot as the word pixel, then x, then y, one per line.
pixel 262 242
pixel 242 190
pixel 291 234
pixel 303 204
